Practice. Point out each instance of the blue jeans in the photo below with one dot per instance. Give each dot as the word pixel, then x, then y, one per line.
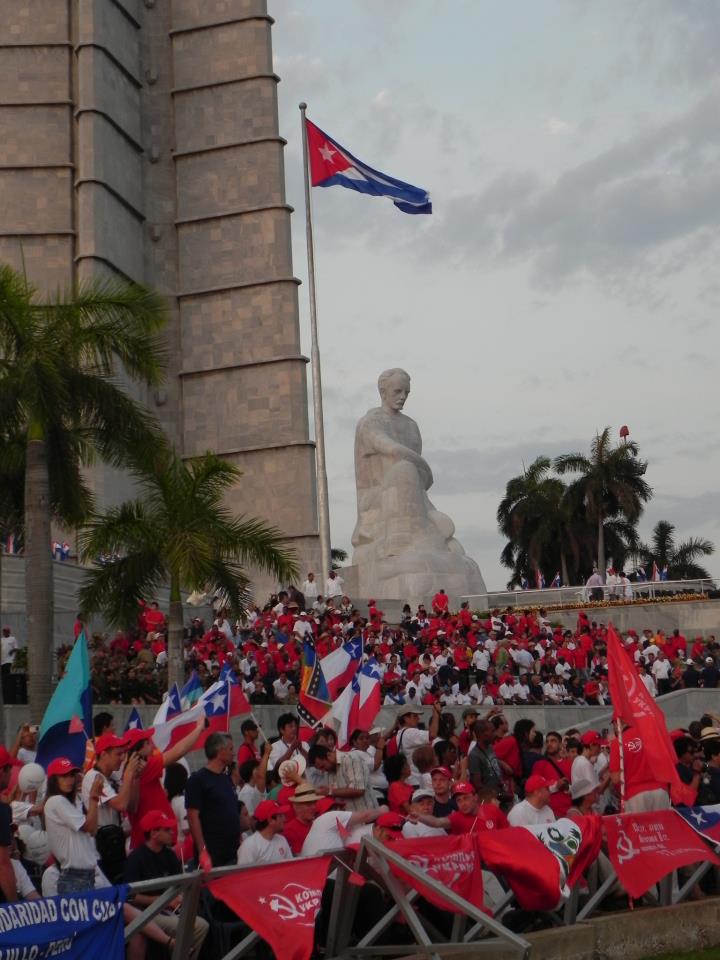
pixel 74 880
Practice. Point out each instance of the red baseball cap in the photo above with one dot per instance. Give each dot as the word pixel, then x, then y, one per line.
pixel 463 787
pixel 591 738
pixel 131 737
pixel 6 760
pixel 443 770
pixel 157 820
pixel 108 741
pixel 60 766
pixel 391 821
pixel 536 783
pixel 268 808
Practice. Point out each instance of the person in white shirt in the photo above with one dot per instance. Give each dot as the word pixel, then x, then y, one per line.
pixel 661 670
pixel 224 627
pixel 266 844
pixel 288 746
pixel 479 695
pixel 71 831
pixel 110 751
pixel 409 736
pixel 334 585
pixel 506 691
pixel 584 766
pixel 310 588
pixel 521 689
pixel 281 688
pixel 481 660
pixel 325 833
pixel 303 627
pixel 8 649
pixel 421 803
pixel 649 681
pixel 534 808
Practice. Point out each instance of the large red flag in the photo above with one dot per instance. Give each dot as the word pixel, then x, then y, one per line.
pixel 539 862
pixel 452 861
pixel 279 901
pixel 635 706
pixel 645 847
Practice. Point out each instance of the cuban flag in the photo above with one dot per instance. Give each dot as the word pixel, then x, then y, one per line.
pixel 641 575
pixel 332 165
pixel 706 820
pixel 556 581
pixel 359 704
pixel 524 585
pixel 664 573
pixel 339 667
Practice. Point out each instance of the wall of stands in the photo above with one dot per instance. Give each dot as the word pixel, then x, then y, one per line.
pixel 680 708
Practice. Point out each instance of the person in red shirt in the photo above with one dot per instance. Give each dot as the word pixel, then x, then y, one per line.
pixel 470 816
pixel 154 617
pixel 151 795
pixel 440 602
pixel 642 791
pixel 553 767
pixel 248 748
pixel 304 803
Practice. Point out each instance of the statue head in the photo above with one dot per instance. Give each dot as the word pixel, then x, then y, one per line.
pixel 394 387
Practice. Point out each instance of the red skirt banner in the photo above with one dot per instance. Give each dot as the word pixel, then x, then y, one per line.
pixel 279 901
pixel 645 847
pixel 452 861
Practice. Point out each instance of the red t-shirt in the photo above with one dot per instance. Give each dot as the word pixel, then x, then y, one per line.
pixel 508 750
pixel 295 832
pixel 559 802
pixel 151 796
pixel 488 817
pixel 639 774
pixel 246 752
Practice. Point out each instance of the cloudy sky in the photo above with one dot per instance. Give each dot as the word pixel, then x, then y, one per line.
pixel 567 279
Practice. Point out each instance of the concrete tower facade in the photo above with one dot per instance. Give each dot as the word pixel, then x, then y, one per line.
pixel 140 138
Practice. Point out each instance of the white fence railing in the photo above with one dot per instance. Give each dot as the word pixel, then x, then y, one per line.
pixel 580 594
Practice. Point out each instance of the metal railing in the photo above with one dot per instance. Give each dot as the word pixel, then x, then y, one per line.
pixel 473 930
pixel 555 596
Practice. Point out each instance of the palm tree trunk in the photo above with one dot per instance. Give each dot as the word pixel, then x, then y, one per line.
pixel 176 661
pixel 38 578
pixel 2 620
pixel 601 547
pixel 564 569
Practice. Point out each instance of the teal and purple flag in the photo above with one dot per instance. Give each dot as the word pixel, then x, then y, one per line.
pixel 67 723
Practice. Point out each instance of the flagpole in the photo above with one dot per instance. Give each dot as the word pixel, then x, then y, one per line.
pixel 619 734
pixel 321 470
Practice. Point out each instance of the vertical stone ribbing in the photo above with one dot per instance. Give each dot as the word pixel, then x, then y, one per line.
pixel 243 377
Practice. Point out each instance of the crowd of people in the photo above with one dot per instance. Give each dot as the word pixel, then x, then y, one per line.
pixel 133 813
pixel 431 656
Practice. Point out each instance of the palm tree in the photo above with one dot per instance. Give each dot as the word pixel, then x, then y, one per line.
pixel 536 518
pixel 610 484
pixel 338 556
pixel 178 532
pixel 679 558
pixel 58 391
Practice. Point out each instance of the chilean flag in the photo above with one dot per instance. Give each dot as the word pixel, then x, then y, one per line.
pixel 557 582
pixel 706 820
pixel 359 703
pixel 339 667
pixel 332 165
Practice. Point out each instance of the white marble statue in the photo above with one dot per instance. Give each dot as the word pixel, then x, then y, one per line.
pixel 405 549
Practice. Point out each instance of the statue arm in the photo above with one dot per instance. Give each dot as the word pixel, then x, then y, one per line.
pixel 375 440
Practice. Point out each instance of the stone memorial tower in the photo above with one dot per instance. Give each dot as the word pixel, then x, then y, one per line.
pixel 139 138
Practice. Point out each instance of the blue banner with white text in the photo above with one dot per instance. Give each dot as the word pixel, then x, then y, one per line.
pixel 73 926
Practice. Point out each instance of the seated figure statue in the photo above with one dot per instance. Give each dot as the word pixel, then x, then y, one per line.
pixel 405 549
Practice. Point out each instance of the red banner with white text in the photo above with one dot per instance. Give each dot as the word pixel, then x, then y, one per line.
pixel 452 861
pixel 645 847
pixel 279 901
